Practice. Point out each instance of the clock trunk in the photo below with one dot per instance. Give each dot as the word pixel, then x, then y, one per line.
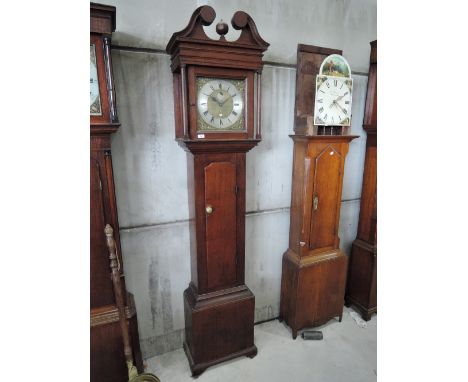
pixel 219 307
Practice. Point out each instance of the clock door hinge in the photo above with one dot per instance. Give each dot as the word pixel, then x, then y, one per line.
pixel 236 189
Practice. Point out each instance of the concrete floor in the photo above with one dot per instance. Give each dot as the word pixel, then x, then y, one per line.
pixel 346 353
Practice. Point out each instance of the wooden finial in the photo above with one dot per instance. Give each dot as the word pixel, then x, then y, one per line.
pixel 242 20
pixel 222 28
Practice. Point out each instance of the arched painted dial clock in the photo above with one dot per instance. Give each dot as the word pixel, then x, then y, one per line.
pixel 314 266
pixel 334 93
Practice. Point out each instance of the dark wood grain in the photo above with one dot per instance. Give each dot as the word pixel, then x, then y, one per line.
pixel 221 238
pixel 361 288
pixel 108 362
pixel 219 307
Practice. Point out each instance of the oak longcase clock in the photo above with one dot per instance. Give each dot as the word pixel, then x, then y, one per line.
pixel 314 267
pixel 217 112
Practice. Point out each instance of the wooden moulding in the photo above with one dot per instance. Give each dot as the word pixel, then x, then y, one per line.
pixel 110 314
pixel 102 18
pixel 186 45
pixel 218 146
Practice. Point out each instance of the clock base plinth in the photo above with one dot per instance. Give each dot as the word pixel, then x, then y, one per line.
pixel 312 289
pixel 219 326
pixel 361 291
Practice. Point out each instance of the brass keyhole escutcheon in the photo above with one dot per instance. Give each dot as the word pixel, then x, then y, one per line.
pixel 315 202
pixel 209 209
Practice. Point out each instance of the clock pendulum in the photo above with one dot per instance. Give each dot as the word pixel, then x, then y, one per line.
pixel 217 121
pixel 314 267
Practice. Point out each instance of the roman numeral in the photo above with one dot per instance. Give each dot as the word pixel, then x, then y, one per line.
pixel 212 88
pixel 335 83
pixel 345 94
pixel 229 120
pixel 203 103
pixel 220 86
pixel 233 112
pixel 236 104
pixel 346 102
pixel 205 113
pixel 341 85
pixel 320 90
pixel 212 120
pixel 325 118
pixel 345 111
pixel 321 109
pixel 220 122
pixel 328 85
pixel 320 100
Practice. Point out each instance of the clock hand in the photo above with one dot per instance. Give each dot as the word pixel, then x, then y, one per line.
pixel 342 109
pixel 224 101
pixel 338 99
pixel 216 100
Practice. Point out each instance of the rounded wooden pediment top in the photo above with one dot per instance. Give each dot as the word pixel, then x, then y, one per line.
pixel 204 16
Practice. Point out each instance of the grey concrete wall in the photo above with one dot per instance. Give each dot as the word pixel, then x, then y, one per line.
pixel 150 168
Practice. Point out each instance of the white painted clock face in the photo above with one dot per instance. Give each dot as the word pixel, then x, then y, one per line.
pixel 220 104
pixel 95 99
pixel 333 99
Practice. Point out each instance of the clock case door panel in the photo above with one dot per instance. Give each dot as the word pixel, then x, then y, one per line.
pixel 326 191
pixel 226 74
pixel 220 225
pixel 220 180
